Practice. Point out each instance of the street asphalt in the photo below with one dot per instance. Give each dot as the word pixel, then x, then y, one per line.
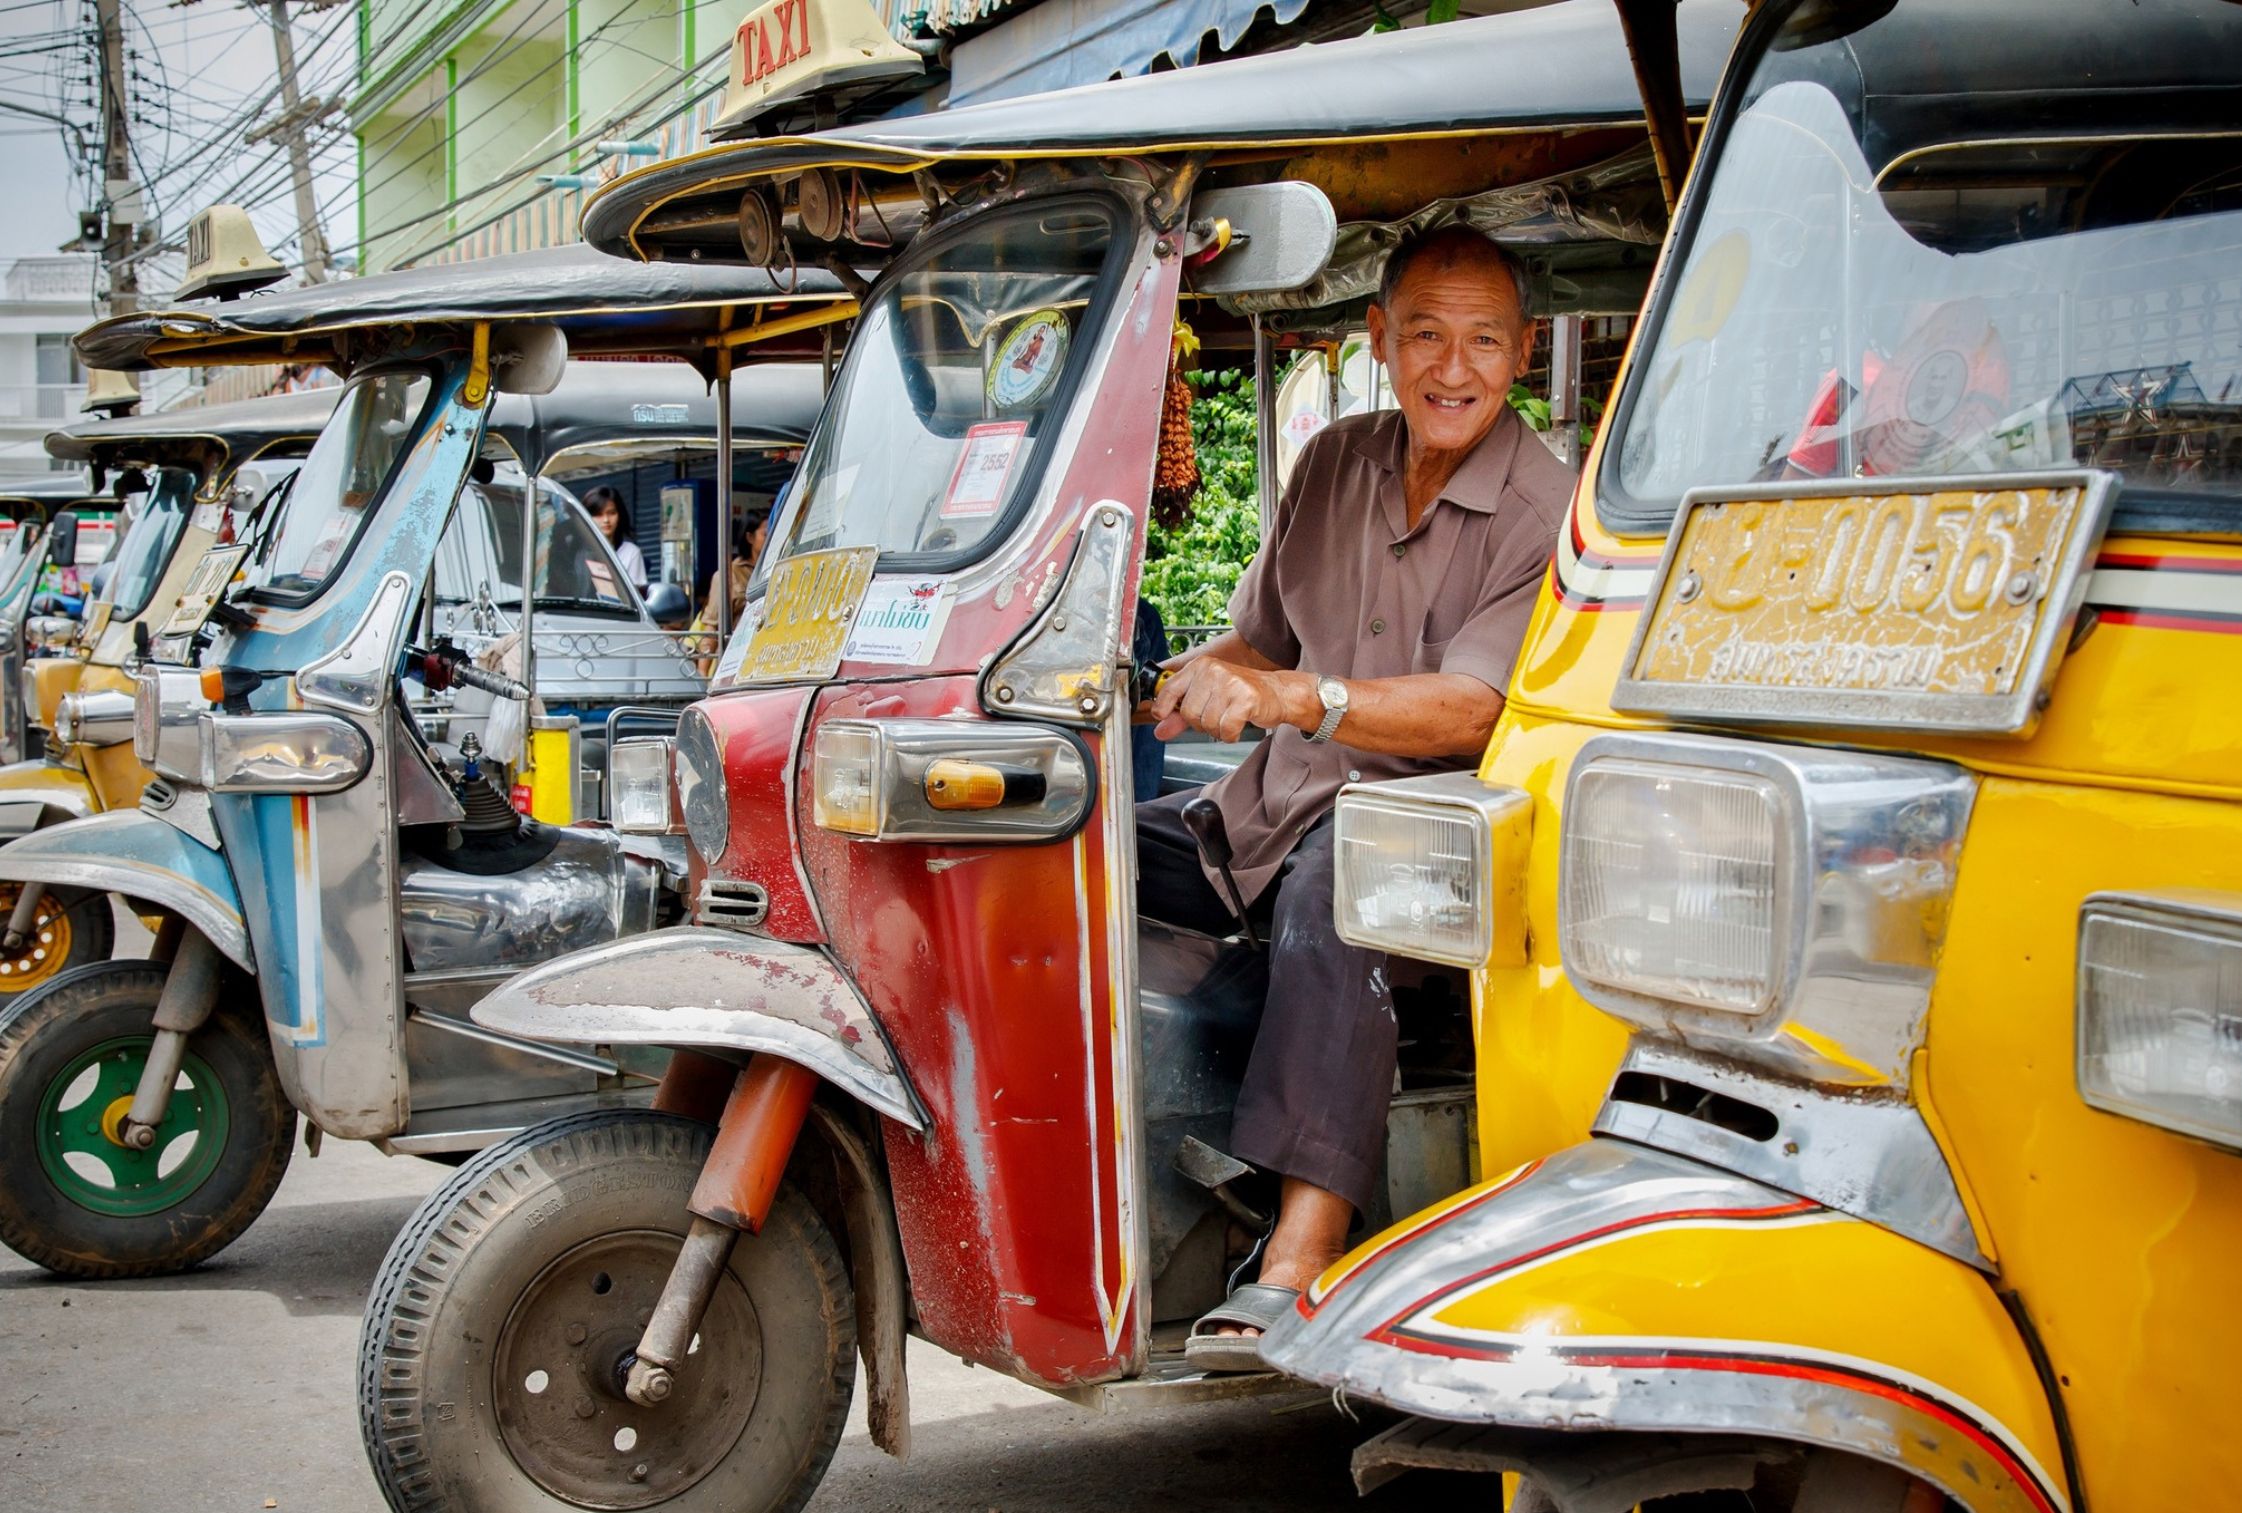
pixel 230 1390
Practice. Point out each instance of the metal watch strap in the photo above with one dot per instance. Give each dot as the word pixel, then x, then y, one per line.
pixel 1328 726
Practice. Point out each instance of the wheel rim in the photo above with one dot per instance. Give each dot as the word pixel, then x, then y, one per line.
pixel 81 1114
pixel 560 1363
pixel 45 953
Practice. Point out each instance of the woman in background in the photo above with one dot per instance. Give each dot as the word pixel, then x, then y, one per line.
pixel 606 507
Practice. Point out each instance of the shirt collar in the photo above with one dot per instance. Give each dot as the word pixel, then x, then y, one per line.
pixel 1478 483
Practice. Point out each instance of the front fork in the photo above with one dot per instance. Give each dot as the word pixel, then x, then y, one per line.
pixel 755 1135
pixel 190 992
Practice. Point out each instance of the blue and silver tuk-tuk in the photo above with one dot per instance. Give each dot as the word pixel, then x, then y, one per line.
pixel 333 890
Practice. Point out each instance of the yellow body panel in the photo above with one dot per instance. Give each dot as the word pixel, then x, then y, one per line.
pixel 2119 1239
pixel 20 778
pixel 552 776
pixel 51 678
pixel 2123 1240
pixel 1545 1057
pixel 2127 707
pixel 1822 1291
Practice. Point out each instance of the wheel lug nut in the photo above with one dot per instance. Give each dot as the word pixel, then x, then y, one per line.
pixel 641 1471
pixel 576 1333
pixel 584 1407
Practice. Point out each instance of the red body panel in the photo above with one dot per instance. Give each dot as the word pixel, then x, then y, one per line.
pixel 973 962
pixel 993 969
pixel 755 731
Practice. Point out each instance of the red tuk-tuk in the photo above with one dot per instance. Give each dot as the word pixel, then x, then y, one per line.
pixel 926 1054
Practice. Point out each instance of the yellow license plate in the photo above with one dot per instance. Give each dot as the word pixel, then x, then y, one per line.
pixel 807 607
pixel 1938 606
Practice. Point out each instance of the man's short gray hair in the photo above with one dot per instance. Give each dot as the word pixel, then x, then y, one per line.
pixel 1441 239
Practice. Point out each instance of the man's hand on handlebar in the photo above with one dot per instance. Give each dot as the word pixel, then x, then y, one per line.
pixel 1222 698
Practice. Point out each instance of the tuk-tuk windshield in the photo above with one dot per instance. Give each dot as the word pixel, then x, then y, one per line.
pixel 1923 306
pixel 575 569
pixel 955 380
pixel 342 478
pixel 146 547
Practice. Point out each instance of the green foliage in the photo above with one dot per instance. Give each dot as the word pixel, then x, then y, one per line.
pixel 1190 571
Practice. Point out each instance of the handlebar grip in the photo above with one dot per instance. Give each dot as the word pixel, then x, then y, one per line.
pixel 489 682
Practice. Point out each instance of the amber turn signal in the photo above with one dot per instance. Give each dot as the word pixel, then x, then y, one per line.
pixel 955 784
pixel 214 684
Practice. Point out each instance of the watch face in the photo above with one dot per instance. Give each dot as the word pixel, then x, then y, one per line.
pixel 1332 692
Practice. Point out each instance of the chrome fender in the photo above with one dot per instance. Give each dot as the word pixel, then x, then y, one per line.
pixel 38 793
pixel 1617 1288
pixel 126 851
pixel 696 986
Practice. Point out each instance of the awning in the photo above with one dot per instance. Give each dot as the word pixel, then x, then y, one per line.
pixel 1062 43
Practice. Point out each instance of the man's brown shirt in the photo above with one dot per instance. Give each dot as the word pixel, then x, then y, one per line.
pixel 1342 588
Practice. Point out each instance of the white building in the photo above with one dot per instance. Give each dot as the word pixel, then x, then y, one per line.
pixel 44 301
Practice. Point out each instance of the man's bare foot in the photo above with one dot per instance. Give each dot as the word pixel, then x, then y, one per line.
pixel 1311 1233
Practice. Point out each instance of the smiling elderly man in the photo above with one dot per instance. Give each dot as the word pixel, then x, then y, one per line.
pixel 1372 638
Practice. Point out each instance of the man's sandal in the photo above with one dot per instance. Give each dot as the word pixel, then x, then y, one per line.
pixel 1256 1305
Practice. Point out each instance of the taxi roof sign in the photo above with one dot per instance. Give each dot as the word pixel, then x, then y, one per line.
pixel 790 50
pixel 225 256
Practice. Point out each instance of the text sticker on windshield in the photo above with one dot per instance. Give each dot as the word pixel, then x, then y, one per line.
pixel 977 485
pixel 900 621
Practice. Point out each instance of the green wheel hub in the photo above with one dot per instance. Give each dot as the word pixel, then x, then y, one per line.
pixel 81 1114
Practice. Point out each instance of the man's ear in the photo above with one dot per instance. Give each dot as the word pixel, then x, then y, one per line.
pixel 1526 346
pixel 1378 335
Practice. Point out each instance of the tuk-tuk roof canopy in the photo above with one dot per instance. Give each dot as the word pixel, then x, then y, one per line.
pixel 605 305
pixel 48 488
pixel 628 403
pixel 1562 66
pixel 212 439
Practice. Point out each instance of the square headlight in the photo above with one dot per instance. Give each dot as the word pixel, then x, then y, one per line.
pixel 1431 867
pixel 638 774
pixel 2160 1011
pixel 1787 901
pixel 1674 883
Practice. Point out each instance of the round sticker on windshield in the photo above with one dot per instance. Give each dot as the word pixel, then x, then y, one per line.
pixel 1028 362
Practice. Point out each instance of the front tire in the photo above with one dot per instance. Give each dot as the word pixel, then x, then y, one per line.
pixel 491 1362
pixel 76 1200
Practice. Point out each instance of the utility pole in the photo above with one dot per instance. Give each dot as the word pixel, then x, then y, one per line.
pixel 293 124
pixel 119 190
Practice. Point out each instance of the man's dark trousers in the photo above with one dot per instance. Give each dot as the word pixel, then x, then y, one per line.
pixel 1321 1075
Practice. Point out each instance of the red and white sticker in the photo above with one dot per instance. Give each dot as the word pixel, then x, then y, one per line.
pixel 977 485
pixel 333 537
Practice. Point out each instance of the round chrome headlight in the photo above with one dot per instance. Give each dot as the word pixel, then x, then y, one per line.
pixel 700 785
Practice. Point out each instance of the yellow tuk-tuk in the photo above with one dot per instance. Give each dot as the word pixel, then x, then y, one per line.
pixel 1851 886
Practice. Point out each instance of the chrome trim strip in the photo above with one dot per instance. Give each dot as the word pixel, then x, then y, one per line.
pixel 1387 1334
pixel 1873 1157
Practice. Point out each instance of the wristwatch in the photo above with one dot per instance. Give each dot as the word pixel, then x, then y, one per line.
pixel 1334 696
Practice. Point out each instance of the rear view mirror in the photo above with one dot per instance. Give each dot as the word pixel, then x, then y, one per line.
pixel 528 358
pixel 62 540
pixel 1281 235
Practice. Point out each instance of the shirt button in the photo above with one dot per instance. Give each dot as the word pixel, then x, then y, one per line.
pixel 1377 627
pixel 1401 548
pixel 1353 776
